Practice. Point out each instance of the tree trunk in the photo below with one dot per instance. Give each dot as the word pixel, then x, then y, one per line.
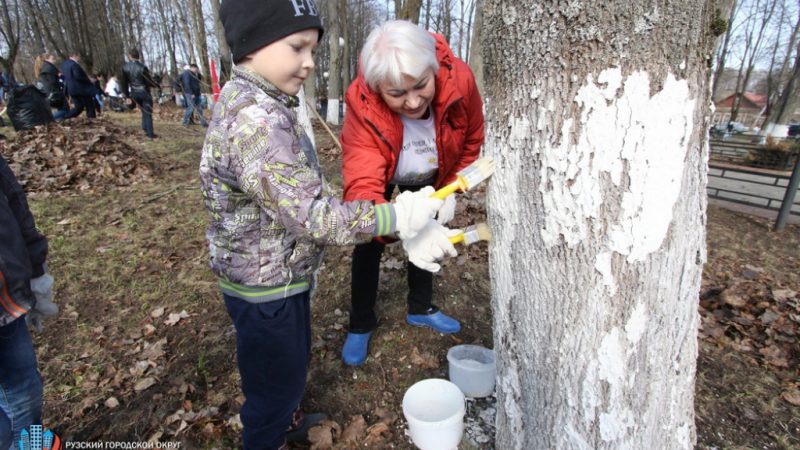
pixel 777 122
pixel 598 214
pixel 723 52
pixel 334 65
pixel 476 47
pixel 202 44
pixel 344 12
pixel 187 33
pixel 224 50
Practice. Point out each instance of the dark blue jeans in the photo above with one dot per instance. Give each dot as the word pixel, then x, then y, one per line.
pixel 20 382
pixel 273 346
pixel 79 104
pixel 192 104
pixel 145 103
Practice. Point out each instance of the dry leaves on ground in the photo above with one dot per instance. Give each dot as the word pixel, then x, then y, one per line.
pixel 79 154
pixel 750 315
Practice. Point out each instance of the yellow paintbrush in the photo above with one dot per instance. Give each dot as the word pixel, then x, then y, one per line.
pixel 468 177
pixel 473 234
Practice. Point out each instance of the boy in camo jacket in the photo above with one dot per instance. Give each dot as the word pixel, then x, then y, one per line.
pixel 271 212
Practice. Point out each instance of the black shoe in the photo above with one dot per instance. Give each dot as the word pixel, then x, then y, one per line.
pixel 153 136
pixel 301 423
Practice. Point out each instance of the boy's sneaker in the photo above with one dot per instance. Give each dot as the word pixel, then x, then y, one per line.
pixel 301 423
pixel 439 321
pixel 354 352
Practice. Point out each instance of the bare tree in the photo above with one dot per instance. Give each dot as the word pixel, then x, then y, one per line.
pixel 722 54
pixel 407 10
pixel 476 48
pixel 10 26
pixel 224 49
pixel 761 17
pixel 781 113
pixel 598 122
pixel 334 66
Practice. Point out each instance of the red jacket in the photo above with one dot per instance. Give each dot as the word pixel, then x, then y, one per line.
pixel 373 134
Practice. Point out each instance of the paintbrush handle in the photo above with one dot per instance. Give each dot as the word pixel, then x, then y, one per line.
pixel 457 238
pixel 442 193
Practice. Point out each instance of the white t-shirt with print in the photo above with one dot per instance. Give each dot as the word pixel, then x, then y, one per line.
pixel 418 160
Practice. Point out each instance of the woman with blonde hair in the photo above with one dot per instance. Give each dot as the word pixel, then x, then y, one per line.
pixel 49 82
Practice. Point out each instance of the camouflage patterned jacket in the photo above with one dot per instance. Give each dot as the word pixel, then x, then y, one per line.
pixel 271 212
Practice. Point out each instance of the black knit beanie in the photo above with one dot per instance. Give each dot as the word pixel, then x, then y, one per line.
pixel 252 24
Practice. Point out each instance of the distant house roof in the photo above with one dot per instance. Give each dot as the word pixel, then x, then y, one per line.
pixel 750 100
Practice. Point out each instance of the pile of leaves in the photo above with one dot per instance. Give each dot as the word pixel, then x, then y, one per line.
pixel 753 314
pixel 80 155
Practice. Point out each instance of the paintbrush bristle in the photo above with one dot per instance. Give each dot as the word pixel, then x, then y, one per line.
pixel 484 233
pixel 477 232
pixel 478 171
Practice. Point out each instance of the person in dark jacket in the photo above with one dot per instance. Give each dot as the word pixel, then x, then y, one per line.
pixel 49 82
pixel 79 88
pixel 135 84
pixel 26 292
pixel 190 84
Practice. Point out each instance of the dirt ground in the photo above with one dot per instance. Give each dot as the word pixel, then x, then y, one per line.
pixel 143 349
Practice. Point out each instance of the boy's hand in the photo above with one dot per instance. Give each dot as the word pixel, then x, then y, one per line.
pixel 42 288
pixel 413 211
pixel 430 245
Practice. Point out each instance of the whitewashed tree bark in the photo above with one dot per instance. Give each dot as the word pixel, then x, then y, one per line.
pixel 597 115
pixel 334 63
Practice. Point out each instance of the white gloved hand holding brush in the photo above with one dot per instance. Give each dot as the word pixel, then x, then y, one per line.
pixel 413 210
pixel 430 245
pixel 447 211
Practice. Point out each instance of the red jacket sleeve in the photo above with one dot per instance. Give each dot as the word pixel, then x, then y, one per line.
pixel 364 165
pixel 475 134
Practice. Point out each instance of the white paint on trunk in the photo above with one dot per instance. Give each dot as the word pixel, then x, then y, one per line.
pixel 602 264
pixel 332 115
pixel 303 117
pixel 621 125
pixel 635 327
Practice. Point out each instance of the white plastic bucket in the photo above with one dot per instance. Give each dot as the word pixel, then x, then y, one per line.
pixel 434 410
pixel 472 368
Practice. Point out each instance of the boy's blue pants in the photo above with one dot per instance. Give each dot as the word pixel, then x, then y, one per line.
pixel 20 383
pixel 273 346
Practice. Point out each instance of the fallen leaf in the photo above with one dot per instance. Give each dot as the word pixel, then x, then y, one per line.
pixel 424 360
pixel 321 436
pixel 792 397
pixel 354 430
pixel 156 313
pixel 375 434
pixel 174 318
pixel 144 383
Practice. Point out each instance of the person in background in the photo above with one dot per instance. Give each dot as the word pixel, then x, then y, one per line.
pixel 192 98
pixel 414 118
pixel 135 85
pixel 78 86
pixel 272 213
pixel 49 82
pixel 115 100
pixel 97 82
pixel 26 297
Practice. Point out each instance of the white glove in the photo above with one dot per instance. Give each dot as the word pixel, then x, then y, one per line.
pixel 429 245
pixel 413 210
pixel 42 288
pixel 448 210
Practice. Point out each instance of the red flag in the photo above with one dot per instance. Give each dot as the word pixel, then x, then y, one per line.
pixel 214 79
